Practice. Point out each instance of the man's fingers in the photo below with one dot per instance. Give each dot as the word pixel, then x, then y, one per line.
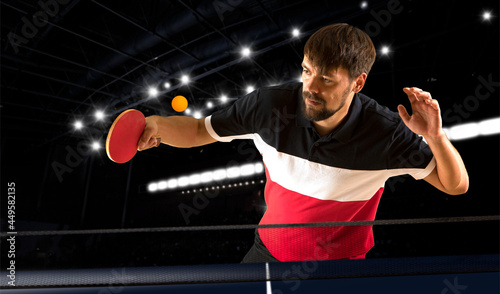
pixel 403 113
pixel 417 94
pixel 146 145
pixel 434 103
pixel 148 141
pixel 146 136
pixel 412 89
pixel 149 133
pixel 157 141
pixel 426 97
pixel 411 94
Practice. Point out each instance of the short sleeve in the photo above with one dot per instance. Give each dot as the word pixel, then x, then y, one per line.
pixel 236 121
pixel 409 152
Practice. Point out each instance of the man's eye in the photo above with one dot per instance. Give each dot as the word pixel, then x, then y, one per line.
pixel 305 71
pixel 326 80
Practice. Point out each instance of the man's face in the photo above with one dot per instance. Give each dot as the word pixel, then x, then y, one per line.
pixel 324 94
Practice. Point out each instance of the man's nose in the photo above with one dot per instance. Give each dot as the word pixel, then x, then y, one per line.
pixel 310 85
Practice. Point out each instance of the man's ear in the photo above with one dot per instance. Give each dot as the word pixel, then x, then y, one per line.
pixel 359 82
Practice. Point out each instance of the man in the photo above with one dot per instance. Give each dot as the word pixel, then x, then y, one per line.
pixel 327 148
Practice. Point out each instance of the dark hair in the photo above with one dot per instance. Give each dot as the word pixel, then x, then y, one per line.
pixel 341 45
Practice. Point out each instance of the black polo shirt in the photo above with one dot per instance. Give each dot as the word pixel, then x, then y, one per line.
pixel 337 177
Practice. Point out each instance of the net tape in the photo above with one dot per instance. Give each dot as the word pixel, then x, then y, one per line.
pixel 255 226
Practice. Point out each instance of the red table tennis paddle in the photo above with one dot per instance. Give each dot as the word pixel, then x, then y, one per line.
pixel 124 134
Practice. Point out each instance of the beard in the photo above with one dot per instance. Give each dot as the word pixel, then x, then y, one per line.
pixel 320 112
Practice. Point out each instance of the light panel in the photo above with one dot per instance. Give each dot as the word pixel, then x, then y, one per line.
pixel 233 172
pixel 153 187
pixel 489 127
pixel 247 169
pixel 194 179
pixel 206 177
pixel 472 130
pixel 221 174
pixel 172 183
pixel 183 181
pixel 162 185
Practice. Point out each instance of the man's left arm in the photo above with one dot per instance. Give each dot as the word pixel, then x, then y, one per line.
pixel 450 174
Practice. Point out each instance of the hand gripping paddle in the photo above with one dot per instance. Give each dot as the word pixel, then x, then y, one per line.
pixel 123 137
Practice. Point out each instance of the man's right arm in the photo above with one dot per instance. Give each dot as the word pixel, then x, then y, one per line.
pixel 176 131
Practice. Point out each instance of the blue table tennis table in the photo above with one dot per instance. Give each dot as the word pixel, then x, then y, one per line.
pixel 436 274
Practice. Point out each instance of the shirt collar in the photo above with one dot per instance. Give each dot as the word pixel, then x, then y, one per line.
pixel 346 129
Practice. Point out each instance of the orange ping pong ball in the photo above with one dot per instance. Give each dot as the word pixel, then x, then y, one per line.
pixel 179 103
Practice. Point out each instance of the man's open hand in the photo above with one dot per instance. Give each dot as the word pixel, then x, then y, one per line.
pixel 425 119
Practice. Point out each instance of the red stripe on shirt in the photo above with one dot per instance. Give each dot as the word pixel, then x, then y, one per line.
pixel 315 243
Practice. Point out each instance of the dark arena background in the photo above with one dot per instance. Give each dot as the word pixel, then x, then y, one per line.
pixel 74 221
